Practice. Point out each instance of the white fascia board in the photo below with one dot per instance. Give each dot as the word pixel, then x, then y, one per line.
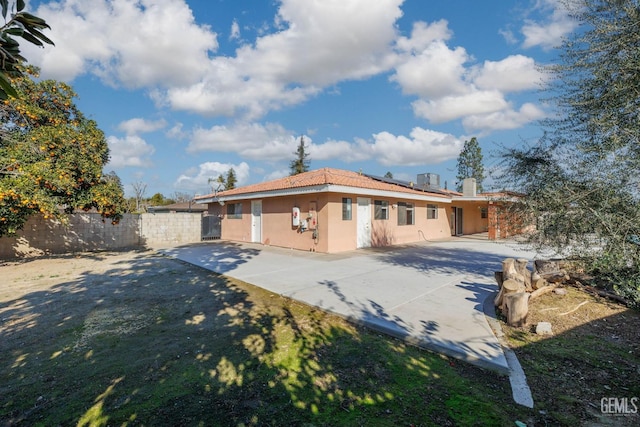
pixel 327 188
pixel 206 201
pixel 483 199
pixel 390 194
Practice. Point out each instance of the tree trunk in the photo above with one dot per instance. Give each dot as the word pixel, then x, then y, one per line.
pixel 517 308
pixel 521 268
pixel 509 286
pixel 542 291
pixel 509 270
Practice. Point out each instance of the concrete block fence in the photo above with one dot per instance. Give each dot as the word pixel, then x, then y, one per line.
pixel 87 232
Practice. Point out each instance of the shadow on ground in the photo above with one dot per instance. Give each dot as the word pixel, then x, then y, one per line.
pixel 156 341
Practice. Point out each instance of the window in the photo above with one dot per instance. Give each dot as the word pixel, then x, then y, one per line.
pixel 432 211
pixel 234 211
pixel 483 213
pixel 380 209
pixel 346 208
pixel 405 213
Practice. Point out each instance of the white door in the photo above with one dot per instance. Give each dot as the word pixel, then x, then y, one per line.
pixel 364 222
pixel 256 221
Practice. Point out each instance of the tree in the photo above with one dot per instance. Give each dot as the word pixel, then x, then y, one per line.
pixel 230 182
pixel 580 179
pixel 388 175
pixel 157 200
pixel 470 164
pixel 139 188
pixel 51 157
pixel 181 197
pixel 23 25
pixel 301 163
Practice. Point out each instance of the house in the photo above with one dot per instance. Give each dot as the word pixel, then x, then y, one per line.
pixel 332 210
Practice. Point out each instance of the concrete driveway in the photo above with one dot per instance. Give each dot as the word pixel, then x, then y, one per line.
pixel 431 294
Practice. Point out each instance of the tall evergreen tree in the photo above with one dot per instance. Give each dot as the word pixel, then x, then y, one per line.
pixel 581 180
pixel 470 164
pixel 231 180
pixel 301 163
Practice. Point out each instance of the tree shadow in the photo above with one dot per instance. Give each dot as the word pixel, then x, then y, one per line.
pixel 219 256
pixel 442 259
pixel 155 341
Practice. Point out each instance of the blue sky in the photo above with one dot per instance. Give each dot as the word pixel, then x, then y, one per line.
pixel 186 89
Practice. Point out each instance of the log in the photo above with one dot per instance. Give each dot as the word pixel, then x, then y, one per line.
pixel 517 308
pixel 521 268
pixel 508 267
pixel 537 281
pixel 509 270
pixel 542 291
pixel 543 266
pixel 509 286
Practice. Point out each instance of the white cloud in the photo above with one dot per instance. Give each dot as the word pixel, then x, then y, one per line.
pixel 423 147
pixel 135 44
pixel 455 107
pixel 435 72
pixel 281 173
pixel 319 45
pixel 235 31
pixel 549 33
pixel 130 151
pixel 197 179
pixel 514 73
pixel 343 150
pixel 253 140
pixel 423 35
pixel 137 125
pixel 504 119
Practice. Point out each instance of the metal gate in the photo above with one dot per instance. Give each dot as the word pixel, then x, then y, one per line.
pixel 211 227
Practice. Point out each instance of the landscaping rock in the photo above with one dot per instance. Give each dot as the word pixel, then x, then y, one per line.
pixel 543 328
pixel 560 291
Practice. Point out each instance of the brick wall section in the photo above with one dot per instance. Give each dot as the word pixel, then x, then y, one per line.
pixel 87 232
pixel 170 229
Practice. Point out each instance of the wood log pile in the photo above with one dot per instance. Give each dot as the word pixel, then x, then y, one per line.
pixel 518 285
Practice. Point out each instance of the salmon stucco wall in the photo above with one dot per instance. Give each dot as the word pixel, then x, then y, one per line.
pixel 332 232
pixel 277 227
pixel 472 216
pixel 342 232
pixel 385 232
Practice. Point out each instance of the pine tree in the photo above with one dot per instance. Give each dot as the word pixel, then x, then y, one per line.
pixel 470 164
pixel 230 182
pixel 301 162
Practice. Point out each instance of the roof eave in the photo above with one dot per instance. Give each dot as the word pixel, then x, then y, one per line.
pixel 327 188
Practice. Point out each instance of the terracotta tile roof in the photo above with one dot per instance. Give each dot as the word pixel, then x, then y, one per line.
pixel 325 176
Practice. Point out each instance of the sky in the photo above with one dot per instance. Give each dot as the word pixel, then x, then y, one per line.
pixel 184 90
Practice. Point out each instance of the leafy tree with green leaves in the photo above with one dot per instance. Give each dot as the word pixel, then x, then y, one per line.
pixel 581 179
pixel 388 175
pixel 470 164
pixel 51 157
pixel 23 25
pixel 231 180
pixel 301 163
